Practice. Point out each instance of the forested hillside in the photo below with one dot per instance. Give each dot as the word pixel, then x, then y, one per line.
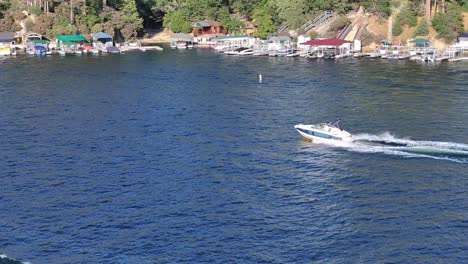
pixel 126 19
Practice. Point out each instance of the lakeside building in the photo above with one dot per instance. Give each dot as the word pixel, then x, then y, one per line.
pixel 279 42
pixel 104 42
pixel 36 44
pixel 181 41
pixel 462 42
pixel 249 29
pixel 68 44
pixel 300 41
pixel 207 27
pixel 224 43
pixel 7 41
pixel 330 48
pixel 39 47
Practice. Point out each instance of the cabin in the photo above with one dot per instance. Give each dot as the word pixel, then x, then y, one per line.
pixel 249 29
pixel 207 27
pixel 7 40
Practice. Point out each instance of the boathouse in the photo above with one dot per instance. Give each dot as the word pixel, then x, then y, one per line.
pixel 334 47
pixel 103 42
pixel 462 41
pixel 279 41
pixel 70 40
pixel 35 43
pixel 181 40
pixel 37 46
pixel 207 27
pixel 235 41
pixel 301 39
pixel 7 40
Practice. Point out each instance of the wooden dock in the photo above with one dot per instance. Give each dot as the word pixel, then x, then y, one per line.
pixel 458 59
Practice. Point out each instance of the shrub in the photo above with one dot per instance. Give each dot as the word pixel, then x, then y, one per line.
pixel 397 28
pixel 339 23
pixel 313 34
pixel 381 8
pixel 448 25
pixel 367 38
pixel 37 11
pixel 422 29
pixel 177 22
pixel 395 3
pixel 405 17
pixel 7 23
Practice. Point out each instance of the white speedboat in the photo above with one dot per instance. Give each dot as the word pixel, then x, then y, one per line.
pixel 240 51
pixel 323 133
pixel 181 45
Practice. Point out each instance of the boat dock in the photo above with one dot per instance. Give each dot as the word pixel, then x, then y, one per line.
pixel 458 59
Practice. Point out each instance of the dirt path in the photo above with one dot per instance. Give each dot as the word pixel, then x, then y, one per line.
pixel 156 36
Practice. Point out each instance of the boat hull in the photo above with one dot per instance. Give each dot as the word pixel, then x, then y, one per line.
pixel 321 137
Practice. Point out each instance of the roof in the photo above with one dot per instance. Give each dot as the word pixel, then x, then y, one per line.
pixel 72 38
pixel 200 24
pixel 182 37
pixel 420 41
pixel 326 42
pixel 38 41
pixel 101 35
pixel 68 43
pixel 212 35
pixel 7 36
pixel 463 35
pixel 33 35
pixel 206 23
pixel 278 38
pixel 231 37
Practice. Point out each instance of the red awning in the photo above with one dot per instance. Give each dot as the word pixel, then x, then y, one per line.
pixel 326 42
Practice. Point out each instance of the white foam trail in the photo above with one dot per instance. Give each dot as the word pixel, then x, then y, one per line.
pixel 387 143
pixel 387 137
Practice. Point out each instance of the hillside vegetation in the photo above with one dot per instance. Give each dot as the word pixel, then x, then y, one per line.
pixel 126 19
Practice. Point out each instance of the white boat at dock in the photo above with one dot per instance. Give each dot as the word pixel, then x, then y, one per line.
pixel 240 51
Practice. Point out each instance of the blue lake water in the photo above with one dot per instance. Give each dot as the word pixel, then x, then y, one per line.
pixel 183 157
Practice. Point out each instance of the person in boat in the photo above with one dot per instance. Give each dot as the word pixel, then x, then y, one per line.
pixel 338 124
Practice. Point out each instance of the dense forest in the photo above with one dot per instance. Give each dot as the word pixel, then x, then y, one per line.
pixel 126 19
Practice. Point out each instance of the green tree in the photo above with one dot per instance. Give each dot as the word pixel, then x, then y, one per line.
pixel 230 22
pixel 422 29
pixel 133 21
pixel 293 12
pixel 448 25
pixel 177 22
pixel 381 8
pixel 264 22
pixel 244 7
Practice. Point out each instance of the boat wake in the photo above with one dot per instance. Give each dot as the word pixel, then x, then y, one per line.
pixel 388 144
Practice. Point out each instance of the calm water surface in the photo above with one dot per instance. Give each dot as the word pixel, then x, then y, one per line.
pixel 183 157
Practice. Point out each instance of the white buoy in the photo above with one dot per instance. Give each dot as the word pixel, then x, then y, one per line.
pixel 259 78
